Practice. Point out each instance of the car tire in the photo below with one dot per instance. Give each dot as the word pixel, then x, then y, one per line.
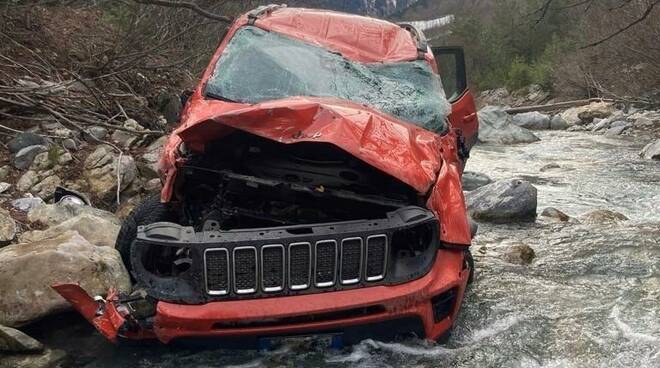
pixel 149 211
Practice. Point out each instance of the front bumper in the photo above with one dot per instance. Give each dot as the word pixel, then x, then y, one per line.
pixel 432 301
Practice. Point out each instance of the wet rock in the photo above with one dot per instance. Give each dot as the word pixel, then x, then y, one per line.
pixel 53 214
pixel 550 166
pixel 617 130
pixel 553 213
pixel 7 227
pixel 589 112
pixel 23 140
pixel 23 158
pixel 27 181
pixel 601 125
pixel 49 358
pixel 15 341
pixel 28 270
pixel 558 123
pixel 503 201
pixel 96 132
pixel 521 254
pixel 26 204
pixel 496 126
pixel 532 120
pixel 100 231
pixel 651 151
pixel 473 180
pixel 100 171
pixel 4 187
pixel 602 216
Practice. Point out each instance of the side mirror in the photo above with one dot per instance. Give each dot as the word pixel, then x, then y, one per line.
pixel 451 66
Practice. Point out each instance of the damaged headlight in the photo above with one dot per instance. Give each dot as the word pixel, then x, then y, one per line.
pixel 412 251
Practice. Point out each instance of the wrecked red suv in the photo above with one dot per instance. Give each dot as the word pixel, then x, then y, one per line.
pixel 313 187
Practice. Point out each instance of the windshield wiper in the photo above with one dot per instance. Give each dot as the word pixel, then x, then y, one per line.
pixel 216 96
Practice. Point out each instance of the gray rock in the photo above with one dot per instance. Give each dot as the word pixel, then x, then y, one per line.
pixel 651 151
pixel 49 358
pixel 70 144
pixel 26 204
pixel 4 187
pixel 124 139
pixel 503 201
pixel 549 167
pixel 152 155
pixel 601 125
pixel 26 294
pixel 27 181
pixel 54 214
pixel 15 341
pixel 521 254
pixel 100 231
pixel 96 132
pixel 558 123
pixel 23 158
pixel 619 123
pixel 602 217
pixel 532 120
pixel 553 213
pixel 617 130
pixel 23 140
pixel 593 110
pixel 100 171
pixel 496 126
pixel 46 186
pixel 473 180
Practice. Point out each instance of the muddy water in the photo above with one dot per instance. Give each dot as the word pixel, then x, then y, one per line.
pixel 591 298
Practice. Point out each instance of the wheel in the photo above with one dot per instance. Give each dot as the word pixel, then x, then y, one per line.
pixel 469 263
pixel 149 211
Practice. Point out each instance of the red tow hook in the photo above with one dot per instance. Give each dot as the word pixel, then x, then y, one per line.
pixel 105 315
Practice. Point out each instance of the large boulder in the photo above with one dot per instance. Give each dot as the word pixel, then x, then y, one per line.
pixel 503 201
pixel 54 214
pixel 100 171
pixel 558 123
pixel 496 126
pixel 97 230
pixel 651 151
pixel 473 180
pixel 27 272
pixel 532 120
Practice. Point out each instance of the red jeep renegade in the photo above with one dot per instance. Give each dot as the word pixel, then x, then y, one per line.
pixel 313 187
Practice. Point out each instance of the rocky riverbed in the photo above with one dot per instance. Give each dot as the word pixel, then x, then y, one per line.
pixel 566 253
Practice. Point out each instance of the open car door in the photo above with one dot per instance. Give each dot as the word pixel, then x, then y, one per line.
pixel 463 117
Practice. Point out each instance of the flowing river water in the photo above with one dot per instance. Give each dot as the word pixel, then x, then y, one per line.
pixel 590 298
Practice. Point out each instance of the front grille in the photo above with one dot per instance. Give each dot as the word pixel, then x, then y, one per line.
pixel 285 268
pixel 351 260
pixel 245 270
pixel 217 271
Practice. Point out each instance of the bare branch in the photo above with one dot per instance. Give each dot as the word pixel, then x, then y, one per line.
pixel 188 5
pixel 645 15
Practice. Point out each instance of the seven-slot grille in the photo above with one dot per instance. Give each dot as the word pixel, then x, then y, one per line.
pixel 273 268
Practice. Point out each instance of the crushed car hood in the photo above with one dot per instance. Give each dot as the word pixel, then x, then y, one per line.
pixel 402 150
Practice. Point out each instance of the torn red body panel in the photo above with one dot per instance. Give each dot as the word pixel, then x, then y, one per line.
pixel 429 164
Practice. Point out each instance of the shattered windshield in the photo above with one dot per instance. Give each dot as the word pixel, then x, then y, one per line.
pixel 258 65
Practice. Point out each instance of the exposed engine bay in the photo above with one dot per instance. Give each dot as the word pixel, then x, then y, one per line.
pixel 244 181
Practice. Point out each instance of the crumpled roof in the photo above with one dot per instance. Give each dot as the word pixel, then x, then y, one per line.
pixel 358 38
